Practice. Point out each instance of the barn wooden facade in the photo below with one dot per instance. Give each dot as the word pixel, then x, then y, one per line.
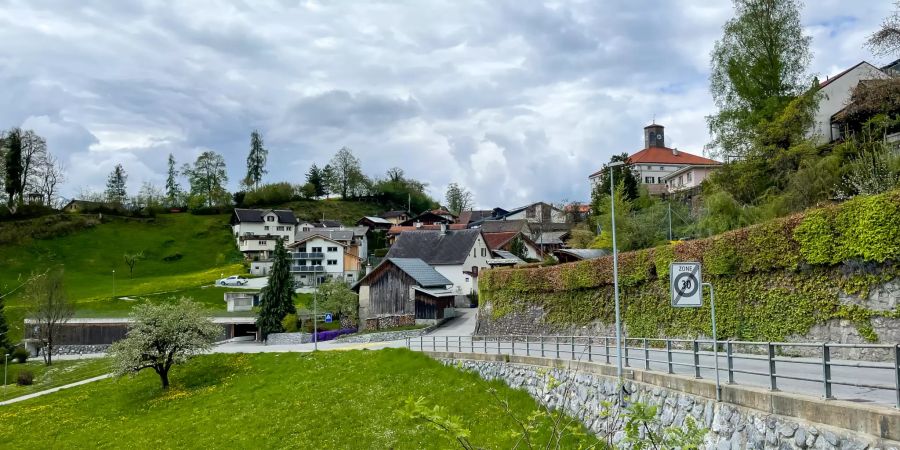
pixel 407 288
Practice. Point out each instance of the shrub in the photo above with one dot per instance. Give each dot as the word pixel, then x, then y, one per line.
pixel 289 323
pixel 20 354
pixel 269 194
pixel 25 378
pixel 173 257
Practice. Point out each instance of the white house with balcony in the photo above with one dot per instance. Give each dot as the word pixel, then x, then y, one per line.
pixel 834 95
pixel 317 258
pixel 256 230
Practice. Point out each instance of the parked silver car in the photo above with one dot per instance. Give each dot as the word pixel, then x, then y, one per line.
pixel 234 280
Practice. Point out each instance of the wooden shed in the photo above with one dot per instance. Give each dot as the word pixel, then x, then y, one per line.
pixel 403 289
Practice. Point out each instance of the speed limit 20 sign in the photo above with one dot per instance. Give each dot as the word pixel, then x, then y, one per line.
pixel 685 282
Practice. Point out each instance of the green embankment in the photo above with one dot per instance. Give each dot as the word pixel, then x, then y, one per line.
pixel 180 251
pixel 347 212
pixel 335 400
pixel 772 280
pixel 60 373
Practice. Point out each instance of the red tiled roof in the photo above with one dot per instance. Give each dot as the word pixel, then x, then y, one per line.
pixel 397 229
pixel 496 240
pixel 665 155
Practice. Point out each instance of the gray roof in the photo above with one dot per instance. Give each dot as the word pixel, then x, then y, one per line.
pixel 584 253
pixel 434 247
pixel 334 235
pixel 420 271
pixel 502 226
pixel 503 254
pixel 378 220
pixel 256 215
pixel 551 237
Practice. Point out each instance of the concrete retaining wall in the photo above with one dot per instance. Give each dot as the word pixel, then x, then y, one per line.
pixel 288 338
pixel 748 418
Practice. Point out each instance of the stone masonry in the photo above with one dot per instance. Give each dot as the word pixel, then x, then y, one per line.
pixel 728 427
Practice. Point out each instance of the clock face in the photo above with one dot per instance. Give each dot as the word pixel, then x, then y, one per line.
pixel 659 137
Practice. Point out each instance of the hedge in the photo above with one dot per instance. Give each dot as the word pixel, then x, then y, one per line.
pixel 773 280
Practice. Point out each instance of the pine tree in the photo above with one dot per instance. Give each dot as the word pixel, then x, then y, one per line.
pixel 13 164
pixel 256 160
pixel 277 298
pixel 173 190
pixel 5 345
pixel 328 178
pixel 115 185
pixel 314 177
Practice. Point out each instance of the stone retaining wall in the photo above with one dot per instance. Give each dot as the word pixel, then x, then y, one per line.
pixel 383 336
pixel 76 349
pixel 582 393
pixel 288 338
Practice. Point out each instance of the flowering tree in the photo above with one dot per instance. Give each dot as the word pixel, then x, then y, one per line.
pixel 162 336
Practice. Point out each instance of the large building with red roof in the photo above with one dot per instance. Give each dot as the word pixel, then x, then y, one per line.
pixel 663 169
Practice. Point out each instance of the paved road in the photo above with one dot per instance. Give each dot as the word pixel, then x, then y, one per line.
pixel 754 368
pixel 52 390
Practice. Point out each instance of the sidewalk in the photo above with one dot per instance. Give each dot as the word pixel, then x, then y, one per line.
pixel 52 390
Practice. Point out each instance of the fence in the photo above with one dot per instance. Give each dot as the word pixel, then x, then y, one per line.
pixel 741 362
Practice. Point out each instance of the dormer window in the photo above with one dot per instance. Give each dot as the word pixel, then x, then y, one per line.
pixel 270 218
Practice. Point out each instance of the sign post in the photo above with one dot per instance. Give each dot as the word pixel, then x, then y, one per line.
pixel 686 282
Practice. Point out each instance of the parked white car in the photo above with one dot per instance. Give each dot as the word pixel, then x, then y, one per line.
pixel 234 280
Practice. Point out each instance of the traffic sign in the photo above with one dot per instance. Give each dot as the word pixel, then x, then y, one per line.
pixel 685 282
pixel 328 318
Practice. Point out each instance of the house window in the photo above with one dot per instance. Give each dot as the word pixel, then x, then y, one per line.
pixel 316 250
pixel 279 228
pixel 648 180
pixel 332 249
pixel 688 177
pixel 661 180
pixel 332 262
pixel 681 180
pixel 483 252
pixel 315 263
pixel 263 242
pixel 270 218
pixel 662 168
pixel 530 213
pixel 266 228
pixel 289 228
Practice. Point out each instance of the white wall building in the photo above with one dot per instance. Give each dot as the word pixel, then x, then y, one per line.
pixel 835 94
pixel 688 177
pixel 317 258
pixel 256 230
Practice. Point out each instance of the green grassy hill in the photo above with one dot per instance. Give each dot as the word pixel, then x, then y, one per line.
pixel 331 400
pixel 347 212
pixel 180 251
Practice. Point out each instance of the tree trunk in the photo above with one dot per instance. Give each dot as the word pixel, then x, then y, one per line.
pixel 163 377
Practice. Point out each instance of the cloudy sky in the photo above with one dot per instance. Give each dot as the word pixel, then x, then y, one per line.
pixel 516 100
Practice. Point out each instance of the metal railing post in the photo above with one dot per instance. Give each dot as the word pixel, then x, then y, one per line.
pixel 646 355
pixel 459 344
pixel 606 345
pixel 513 344
pixel 527 346
pixel 407 342
pixel 485 344
pixel 421 343
pixel 669 356
pixel 556 339
pixel 572 352
pixel 696 359
pixel 447 343
pixel 498 345
pixel 433 343
pixel 729 356
pixel 590 349
pixel 543 338
pixel 826 369
pixel 773 382
pixel 897 372
pixel 625 352
pixel 471 344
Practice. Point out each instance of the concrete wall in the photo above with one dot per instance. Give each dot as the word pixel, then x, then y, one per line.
pixel 747 418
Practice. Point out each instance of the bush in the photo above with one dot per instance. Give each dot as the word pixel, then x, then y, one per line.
pixel 25 378
pixel 173 257
pixel 20 354
pixel 269 195
pixel 289 323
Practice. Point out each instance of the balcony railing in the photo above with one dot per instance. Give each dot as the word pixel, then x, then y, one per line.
pixel 307 255
pixel 310 269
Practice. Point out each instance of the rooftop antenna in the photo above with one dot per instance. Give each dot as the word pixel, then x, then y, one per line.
pixel 654 118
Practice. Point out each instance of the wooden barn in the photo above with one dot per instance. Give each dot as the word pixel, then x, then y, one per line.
pixel 403 291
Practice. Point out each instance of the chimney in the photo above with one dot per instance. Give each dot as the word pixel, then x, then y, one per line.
pixel 418 224
pixel 443 228
pixel 675 151
pixel 654 136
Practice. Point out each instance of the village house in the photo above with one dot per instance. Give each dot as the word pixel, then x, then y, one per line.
pixel 656 163
pixel 456 254
pixel 256 230
pixel 834 95
pixel 508 240
pixel 396 217
pixel 374 223
pixel 320 256
pixel 403 292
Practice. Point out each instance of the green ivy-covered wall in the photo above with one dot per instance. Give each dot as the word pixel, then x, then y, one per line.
pixel 772 280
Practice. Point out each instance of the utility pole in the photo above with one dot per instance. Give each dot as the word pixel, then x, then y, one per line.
pixel 669 214
pixel 612 205
pixel 315 308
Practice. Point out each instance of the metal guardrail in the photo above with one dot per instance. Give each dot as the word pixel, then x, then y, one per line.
pixel 672 355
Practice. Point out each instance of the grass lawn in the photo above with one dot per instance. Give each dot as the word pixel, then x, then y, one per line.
pixel 347 212
pixel 60 373
pixel 180 251
pixel 340 400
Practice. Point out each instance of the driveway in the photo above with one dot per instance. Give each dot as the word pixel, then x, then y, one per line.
pixel 261 282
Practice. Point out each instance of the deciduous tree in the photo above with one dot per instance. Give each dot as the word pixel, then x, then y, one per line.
pixel 346 175
pixel 458 199
pixel 50 309
pixel 757 67
pixel 207 179
pixel 338 298
pixel 886 41
pixel 277 298
pixel 131 260
pixel 162 335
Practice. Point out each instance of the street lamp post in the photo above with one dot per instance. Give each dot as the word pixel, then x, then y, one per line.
pixel 5 369
pixel 315 310
pixel 612 205
pixel 114 283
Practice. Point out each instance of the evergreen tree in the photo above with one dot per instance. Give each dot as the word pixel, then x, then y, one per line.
pixel 115 185
pixel 256 160
pixel 277 298
pixel 5 345
pixel 13 166
pixel 328 178
pixel 314 177
pixel 173 190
